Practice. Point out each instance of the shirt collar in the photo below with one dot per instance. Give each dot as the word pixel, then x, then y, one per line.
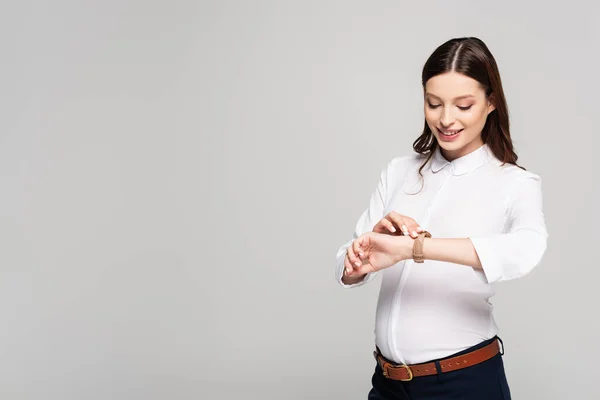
pixel 461 165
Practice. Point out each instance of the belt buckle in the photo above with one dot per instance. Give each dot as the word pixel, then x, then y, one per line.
pixel 384 364
pixel 410 373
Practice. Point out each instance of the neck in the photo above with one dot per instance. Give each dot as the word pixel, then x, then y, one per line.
pixel 452 155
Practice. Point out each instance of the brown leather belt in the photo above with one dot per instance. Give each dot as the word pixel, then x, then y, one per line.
pixel 408 372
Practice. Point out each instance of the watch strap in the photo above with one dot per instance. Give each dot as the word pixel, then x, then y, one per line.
pixel 418 247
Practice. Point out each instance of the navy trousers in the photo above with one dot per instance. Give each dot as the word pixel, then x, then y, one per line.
pixel 484 381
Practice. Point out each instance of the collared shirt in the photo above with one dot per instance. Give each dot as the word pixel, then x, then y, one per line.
pixel 434 309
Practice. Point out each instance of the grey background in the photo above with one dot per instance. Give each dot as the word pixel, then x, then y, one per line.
pixel 176 178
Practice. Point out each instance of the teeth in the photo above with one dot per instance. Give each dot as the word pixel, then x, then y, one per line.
pixel 449 133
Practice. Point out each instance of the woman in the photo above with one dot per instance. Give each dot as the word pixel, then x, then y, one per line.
pixel 442 226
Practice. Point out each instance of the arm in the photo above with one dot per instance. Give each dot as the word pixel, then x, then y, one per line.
pixel 502 256
pixel 516 252
pixel 508 255
pixel 457 251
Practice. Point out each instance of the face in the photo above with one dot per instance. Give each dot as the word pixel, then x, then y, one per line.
pixel 456 109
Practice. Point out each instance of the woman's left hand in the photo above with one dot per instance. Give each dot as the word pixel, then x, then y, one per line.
pixel 378 251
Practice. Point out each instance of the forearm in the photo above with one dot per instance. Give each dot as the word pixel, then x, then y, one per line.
pixel 457 251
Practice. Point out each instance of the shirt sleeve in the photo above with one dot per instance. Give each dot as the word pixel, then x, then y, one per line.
pixel 366 222
pixel 516 252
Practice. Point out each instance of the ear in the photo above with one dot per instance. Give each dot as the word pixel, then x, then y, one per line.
pixel 491 103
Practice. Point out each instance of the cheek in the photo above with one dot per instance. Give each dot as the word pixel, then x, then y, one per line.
pixel 431 115
pixel 475 118
pixel 431 122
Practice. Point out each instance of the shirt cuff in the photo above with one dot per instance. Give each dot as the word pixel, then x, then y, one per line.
pixel 365 280
pixel 490 264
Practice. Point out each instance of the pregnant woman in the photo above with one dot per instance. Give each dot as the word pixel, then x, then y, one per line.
pixel 443 224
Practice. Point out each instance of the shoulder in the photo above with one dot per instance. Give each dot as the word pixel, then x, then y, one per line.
pixel 517 184
pixel 511 174
pixel 514 175
pixel 400 165
pixel 401 169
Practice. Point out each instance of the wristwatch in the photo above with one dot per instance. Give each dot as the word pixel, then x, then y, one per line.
pixel 418 247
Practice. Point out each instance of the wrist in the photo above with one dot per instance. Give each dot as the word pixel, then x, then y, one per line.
pixel 351 280
pixel 404 248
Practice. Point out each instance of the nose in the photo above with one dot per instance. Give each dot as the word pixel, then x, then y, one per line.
pixel 447 118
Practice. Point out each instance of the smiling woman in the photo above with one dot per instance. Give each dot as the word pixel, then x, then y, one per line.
pixel 477 221
pixel 465 106
pixel 458 121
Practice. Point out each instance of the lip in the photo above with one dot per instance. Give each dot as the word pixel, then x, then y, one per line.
pixel 448 138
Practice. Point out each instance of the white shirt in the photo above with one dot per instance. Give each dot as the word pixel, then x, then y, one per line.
pixel 431 310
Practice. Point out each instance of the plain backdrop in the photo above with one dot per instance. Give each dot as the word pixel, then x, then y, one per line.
pixel 177 176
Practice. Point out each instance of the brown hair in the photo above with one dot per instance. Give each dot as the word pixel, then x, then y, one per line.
pixel 471 57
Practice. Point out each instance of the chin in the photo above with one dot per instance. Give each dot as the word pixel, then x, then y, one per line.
pixel 451 145
pixel 457 144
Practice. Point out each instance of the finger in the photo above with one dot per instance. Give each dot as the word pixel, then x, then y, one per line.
pixel 363 269
pixel 389 225
pixel 385 226
pixel 357 249
pixel 413 227
pixel 413 230
pixel 380 227
pixel 355 262
pixel 399 221
pixel 347 267
pixel 393 220
pixel 404 228
pixel 363 241
pixel 408 225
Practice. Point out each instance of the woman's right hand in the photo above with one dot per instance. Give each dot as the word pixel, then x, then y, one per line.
pixel 398 225
pixel 392 224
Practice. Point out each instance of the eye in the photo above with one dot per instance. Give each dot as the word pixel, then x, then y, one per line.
pixel 432 105
pixel 465 108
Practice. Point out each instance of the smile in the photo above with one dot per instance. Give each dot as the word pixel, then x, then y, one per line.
pixel 449 135
pixel 449 132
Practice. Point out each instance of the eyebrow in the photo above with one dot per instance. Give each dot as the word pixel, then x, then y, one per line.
pixel 456 98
